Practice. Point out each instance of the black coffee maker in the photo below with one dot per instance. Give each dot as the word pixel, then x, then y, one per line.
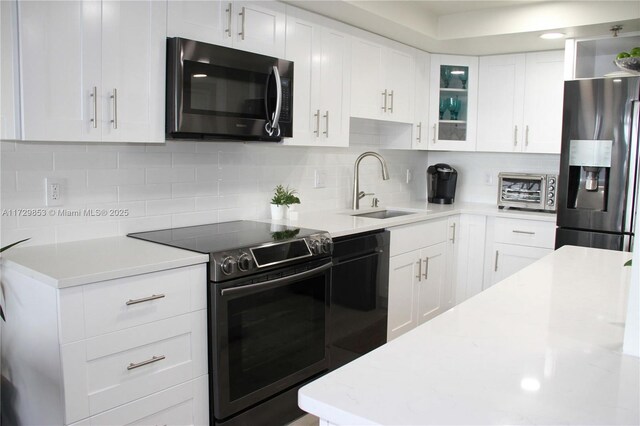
pixel 441 183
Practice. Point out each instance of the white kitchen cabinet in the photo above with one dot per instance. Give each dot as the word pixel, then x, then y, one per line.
pixel 470 249
pixel 592 57
pixel 321 95
pixel 382 78
pixel 514 244
pixel 418 275
pixel 112 362
pixel 80 78
pixel 9 84
pixel 420 136
pixel 453 103
pixel 520 102
pixel 257 27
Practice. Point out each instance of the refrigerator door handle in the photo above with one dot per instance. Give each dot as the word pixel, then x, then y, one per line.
pixel 632 190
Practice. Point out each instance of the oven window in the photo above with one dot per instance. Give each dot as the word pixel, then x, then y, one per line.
pixel 522 190
pixel 275 333
pixel 218 90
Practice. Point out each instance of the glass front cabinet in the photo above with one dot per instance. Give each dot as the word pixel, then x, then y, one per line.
pixel 453 103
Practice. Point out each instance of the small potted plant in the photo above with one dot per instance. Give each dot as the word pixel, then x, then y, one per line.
pixel 282 199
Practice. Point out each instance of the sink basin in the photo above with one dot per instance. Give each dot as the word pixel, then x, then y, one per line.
pixel 384 214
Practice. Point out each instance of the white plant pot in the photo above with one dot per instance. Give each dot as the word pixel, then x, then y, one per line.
pixel 278 212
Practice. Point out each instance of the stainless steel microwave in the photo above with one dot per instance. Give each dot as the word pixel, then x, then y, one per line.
pixel 527 191
pixel 222 93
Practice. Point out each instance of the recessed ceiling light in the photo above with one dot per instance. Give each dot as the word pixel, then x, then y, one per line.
pixel 552 36
pixel 457 72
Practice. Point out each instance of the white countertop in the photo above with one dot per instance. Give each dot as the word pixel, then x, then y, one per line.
pixel 341 222
pixel 82 262
pixel 541 347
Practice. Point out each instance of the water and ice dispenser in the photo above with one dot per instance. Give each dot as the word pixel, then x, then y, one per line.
pixel 589 167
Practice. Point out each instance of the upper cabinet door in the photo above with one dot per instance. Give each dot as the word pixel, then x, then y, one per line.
pixel 60 69
pixel 133 80
pixel 399 70
pixel 260 27
pixel 207 21
pixel 543 99
pixel 421 109
pixel 453 103
pixel 368 100
pixel 500 99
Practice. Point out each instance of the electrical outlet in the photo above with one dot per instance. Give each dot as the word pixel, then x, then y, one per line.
pixel 53 190
pixel 320 180
pixel 488 179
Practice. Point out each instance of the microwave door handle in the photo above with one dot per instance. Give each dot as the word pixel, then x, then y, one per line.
pixel 276 114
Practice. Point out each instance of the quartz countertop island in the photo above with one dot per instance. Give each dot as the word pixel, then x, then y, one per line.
pixel 544 346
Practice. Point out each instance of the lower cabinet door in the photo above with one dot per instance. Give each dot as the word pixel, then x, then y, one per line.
pixel 185 404
pixel 431 300
pixel 509 259
pixel 107 371
pixel 403 281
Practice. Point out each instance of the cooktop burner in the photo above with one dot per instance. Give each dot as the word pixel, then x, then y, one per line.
pixel 243 247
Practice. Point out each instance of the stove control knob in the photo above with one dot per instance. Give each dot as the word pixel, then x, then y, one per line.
pixel 226 266
pixel 551 194
pixel 552 181
pixel 244 262
pixel 326 245
pixel 315 247
pixel 550 202
pixel 551 188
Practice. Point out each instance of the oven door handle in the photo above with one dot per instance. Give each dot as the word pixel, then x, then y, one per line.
pixel 278 282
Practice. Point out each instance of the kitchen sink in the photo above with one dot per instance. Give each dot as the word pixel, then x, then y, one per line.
pixel 384 214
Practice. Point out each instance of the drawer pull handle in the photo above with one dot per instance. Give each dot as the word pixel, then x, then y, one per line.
pixel 419 276
pixel 515 231
pixel 147 362
pixel 144 299
pixel 426 268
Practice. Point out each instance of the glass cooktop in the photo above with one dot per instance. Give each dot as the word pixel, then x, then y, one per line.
pixel 219 237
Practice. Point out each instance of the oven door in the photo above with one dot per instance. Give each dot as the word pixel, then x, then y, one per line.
pixel 525 191
pixel 270 333
pixel 218 91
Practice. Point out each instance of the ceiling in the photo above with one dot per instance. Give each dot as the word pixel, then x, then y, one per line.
pixel 480 27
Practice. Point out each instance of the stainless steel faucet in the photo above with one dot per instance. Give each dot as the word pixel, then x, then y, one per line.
pixel 357 194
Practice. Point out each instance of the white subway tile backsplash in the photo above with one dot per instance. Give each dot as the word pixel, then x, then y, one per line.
pixel 178 205
pixel 144 192
pixel 115 177
pixel 85 160
pixel 184 183
pixel 20 161
pixel 199 189
pixel 171 175
pixel 137 160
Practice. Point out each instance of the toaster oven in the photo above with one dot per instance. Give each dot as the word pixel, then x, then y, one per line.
pixel 527 191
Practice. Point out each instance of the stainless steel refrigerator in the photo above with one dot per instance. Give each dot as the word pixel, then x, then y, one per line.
pixel 599 163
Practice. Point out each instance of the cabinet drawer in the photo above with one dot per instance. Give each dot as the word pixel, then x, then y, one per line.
pixel 185 404
pixel 533 233
pixel 118 304
pixel 416 236
pixel 107 371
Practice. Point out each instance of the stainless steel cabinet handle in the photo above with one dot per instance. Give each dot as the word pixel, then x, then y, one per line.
pixel 241 33
pixel 526 135
pixel 426 268
pixel 453 236
pixel 114 120
pixel 144 299
pixel 147 362
pixel 515 136
pixel 317 116
pixel 326 124
pixel 229 15
pixel 419 276
pixel 384 97
pixel 94 96
pixel 495 266
pixel 515 231
pixel 419 138
pixel 391 103
pixel 435 132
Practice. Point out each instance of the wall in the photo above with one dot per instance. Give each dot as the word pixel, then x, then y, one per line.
pixel 181 183
pixel 478 171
